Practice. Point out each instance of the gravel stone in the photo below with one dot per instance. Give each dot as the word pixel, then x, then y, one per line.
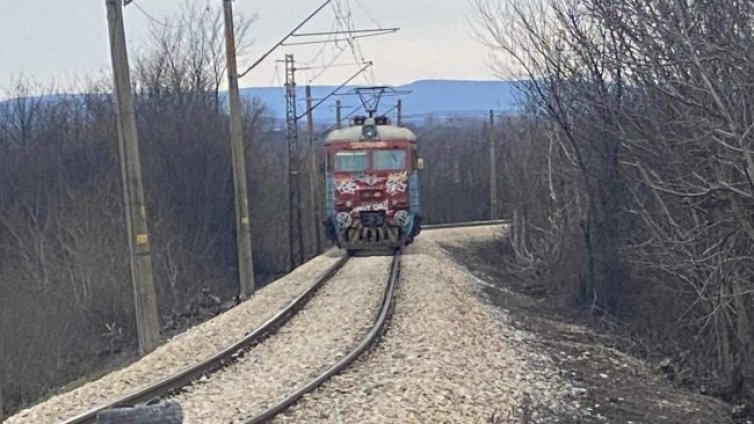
pixel 182 350
pixel 334 320
pixel 446 357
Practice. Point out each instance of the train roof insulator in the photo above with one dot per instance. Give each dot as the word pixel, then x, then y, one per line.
pixel 382 120
pixel 363 128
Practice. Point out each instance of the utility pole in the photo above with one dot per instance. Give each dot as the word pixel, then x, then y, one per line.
pixel 493 168
pixel 399 107
pixel 313 170
pixel 142 279
pixel 243 225
pixel 338 107
pixel 295 231
pixel 2 379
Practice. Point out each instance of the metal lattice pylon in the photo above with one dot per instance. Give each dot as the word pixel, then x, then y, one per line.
pixel 295 231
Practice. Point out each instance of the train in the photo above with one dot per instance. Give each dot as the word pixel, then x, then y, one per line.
pixel 372 185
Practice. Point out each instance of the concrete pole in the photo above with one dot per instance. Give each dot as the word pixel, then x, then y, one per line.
pixel 400 113
pixel 493 167
pixel 313 171
pixel 2 379
pixel 337 114
pixel 243 223
pixel 142 279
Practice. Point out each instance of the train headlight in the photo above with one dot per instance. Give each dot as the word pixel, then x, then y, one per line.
pixel 369 132
pixel 344 219
pixel 349 203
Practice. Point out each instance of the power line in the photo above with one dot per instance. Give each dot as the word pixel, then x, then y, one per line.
pixel 321 50
pixel 358 2
pixel 349 38
pixel 287 36
pixel 329 65
pixel 150 17
pixel 345 118
pixel 344 17
pixel 338 88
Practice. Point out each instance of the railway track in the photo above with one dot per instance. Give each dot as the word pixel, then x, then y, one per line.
pixel 173 384
pixel 227 356
pixel 368 340
pixel 466 224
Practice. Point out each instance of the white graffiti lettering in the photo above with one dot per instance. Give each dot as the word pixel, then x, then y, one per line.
pixel 370 179
pixel 372 207
pixel 396 183
pixel 346 185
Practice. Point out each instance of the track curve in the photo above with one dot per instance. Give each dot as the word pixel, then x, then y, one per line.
pixel 172 384
pixel 367 341
pixel 217 361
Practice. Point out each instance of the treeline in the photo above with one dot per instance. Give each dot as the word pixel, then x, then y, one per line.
pixel 633 189
pixel 66 303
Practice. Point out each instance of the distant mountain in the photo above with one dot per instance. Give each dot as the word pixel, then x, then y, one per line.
pixel 439 98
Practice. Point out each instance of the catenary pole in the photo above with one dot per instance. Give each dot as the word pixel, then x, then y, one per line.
pixel 313 171
pixel 2 379
pixel 243 224
pixel 337 113
pixel 493 167
pixel 142 279
pixel 295 230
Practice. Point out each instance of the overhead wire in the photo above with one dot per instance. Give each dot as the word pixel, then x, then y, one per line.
pixel 328 66
pixel 322 49
pixel 358 2
pixel 360 71
pixel 342 19
pixel 346 15
pixel 344 118
pixel 279 80
pixel 152 18
pixel 343 24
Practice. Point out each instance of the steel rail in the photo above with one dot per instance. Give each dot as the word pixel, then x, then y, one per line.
pixel 466 224
pixel 173 383
pixel 368 340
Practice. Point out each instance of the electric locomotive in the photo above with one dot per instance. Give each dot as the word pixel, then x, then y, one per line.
pixel 372 184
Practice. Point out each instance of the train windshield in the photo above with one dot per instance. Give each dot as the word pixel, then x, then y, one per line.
pixel 351 161
pixel 389 159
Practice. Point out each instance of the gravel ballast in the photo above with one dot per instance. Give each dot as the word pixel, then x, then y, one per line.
pixel 446 357
pixel 334 320
pixel 181 351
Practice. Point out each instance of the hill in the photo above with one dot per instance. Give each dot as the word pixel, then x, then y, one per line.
pixel 426 97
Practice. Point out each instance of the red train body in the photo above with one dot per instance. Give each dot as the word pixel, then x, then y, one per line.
pixel 372 185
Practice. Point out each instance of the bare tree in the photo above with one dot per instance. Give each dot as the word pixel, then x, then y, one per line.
pixel 186 55
pixel 652 107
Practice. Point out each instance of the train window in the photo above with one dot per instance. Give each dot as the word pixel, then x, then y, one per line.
pixel 389 159
pixel 351 161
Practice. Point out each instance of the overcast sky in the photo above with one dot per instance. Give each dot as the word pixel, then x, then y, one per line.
pixel 61 39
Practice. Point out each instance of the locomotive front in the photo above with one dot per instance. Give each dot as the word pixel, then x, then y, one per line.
pixel 372 185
